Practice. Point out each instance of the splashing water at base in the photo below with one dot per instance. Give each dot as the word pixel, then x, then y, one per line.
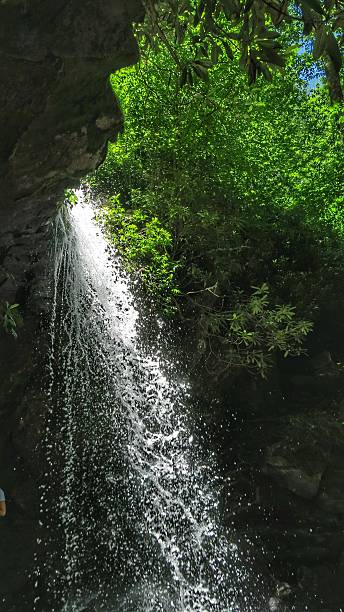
pixel 129 503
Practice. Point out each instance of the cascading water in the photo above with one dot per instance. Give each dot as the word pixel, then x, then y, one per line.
pixel 129 507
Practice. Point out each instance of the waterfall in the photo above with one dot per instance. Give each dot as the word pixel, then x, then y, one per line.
pixel 130 508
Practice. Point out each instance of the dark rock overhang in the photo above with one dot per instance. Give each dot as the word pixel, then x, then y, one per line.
pixel 57 112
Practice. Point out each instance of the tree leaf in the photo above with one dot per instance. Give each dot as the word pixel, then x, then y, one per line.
pixel 231 9
pixel 228 49
pixel 338 23
pixel 244 57
pixel 278 11
pixel 251 70
pixel 189 77
pixel 200 71
pixel 320 38
pixel 333 50
pixel 268 44
pixel 248 5
pixel 204 62
pixel 272 57
pixel 180 30
pixel 266 73
pixel 183 77
pixel 308 22
pixel 315 5
pixel 215 53
pixel 265 34
pixel 234 36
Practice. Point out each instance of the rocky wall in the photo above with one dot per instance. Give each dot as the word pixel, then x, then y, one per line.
pixel 57 112
pixel 282 454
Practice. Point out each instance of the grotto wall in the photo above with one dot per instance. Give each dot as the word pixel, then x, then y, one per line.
pixel 283 460
pixel 56 115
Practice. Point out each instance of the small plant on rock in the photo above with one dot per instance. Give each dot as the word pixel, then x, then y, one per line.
pixel 12 318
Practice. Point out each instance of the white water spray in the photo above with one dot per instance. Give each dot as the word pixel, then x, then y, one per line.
pixel 136 522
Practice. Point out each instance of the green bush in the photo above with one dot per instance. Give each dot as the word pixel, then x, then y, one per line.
pixel 145 245
pixel 221 188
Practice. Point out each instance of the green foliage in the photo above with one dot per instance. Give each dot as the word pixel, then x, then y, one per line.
pixel 251 30
pixel 64 205
pixel 9 313
pixel 70 198
pixel 222 188
pixel 248 335
pixel 11 318
pixel 145 245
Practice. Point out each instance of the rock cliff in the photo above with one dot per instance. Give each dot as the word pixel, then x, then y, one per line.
pixel 283 455
pixel 56 115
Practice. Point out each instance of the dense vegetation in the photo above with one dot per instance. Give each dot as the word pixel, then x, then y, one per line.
pixel 251 30
pixel 227 200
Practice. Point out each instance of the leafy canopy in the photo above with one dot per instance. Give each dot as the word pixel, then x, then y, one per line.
pixel 253 29
pixel 227 202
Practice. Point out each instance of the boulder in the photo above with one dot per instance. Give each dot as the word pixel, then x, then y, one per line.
pixel 297 472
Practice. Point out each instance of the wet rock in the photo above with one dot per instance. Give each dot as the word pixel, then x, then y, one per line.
pixel 57 114
pixel 301 474
pixel 326 584
pixel 283 590
pixel 292 458
pixel 331 496
pixel 322 364
pixel 275 604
